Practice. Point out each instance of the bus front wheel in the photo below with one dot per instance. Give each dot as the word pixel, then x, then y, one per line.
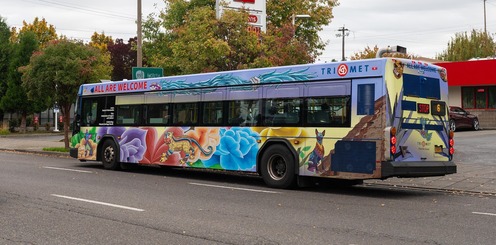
pixel 109 155
pixel 278 167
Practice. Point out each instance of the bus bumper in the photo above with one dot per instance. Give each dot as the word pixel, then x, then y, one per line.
pixel 73 152
pixel 417 169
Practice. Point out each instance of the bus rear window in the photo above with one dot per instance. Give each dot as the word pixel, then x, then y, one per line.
pixel 422 87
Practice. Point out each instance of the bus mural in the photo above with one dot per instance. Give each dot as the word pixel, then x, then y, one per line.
pixel 356 120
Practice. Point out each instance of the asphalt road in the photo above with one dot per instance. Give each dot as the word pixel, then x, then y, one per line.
pixel 46 200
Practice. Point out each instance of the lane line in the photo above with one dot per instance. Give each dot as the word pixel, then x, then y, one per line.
pixel 234 188
pixel 68 169
pixel 490 214
pixel 100 203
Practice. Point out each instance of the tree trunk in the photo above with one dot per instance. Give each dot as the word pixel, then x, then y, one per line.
pixel 22 127
pixel 66 117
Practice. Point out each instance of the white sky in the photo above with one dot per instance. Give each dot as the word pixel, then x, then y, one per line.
pixel 423 26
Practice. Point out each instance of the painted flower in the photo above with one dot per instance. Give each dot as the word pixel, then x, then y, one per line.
pixel 285 132
pixel 237 149
pixel 133 145
pixel 131 141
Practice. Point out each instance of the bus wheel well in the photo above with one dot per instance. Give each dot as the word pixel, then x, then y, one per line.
pixel 272 142
pixel 100 146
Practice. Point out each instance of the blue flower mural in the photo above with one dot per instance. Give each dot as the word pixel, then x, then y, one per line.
pixel 237 149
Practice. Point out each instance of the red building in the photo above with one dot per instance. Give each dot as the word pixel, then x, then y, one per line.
pixel 472 86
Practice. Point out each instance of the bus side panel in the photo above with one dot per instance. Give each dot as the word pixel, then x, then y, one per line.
pixel 355 152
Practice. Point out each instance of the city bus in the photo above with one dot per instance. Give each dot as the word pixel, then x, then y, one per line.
pixel 350 120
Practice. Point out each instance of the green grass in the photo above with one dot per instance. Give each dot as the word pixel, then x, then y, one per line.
pixel 57 149
pixel 4 131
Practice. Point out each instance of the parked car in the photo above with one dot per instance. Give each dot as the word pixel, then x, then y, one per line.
pixel 460 118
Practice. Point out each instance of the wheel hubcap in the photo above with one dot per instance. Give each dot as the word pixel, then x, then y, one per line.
pixel 109 154
pixel 276 167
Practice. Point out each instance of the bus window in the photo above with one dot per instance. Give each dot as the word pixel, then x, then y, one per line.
pixel 91 110
pixel 281 112
pixel 328 111
pixel 243 113
pixel 128 114
pixel 212 113
pixel 157 114
pixel 185 113
pixel 365 99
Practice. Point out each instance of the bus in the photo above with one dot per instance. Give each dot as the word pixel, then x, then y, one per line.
pixel 350 120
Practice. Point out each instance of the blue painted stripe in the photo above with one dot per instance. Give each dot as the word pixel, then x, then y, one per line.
pixel 408 105
pixel 419 126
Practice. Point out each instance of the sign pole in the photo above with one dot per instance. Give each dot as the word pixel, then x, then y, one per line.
pixel 56 110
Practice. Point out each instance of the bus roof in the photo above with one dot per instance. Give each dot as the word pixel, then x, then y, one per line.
pixel 307 72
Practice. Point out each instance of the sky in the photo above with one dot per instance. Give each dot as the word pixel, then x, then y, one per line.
pixel 424 27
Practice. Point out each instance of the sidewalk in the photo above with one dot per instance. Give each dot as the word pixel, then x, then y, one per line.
pixel 473 177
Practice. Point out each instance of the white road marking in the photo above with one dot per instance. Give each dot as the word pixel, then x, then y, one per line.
pixel 68 169
pixel 490 214
pixel 234 188
pixel 100 203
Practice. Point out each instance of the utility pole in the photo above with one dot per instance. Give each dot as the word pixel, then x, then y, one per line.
pixel 344 32
pixel 485 30
pixel 139 45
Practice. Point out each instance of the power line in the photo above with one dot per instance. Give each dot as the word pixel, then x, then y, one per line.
pixel 83 9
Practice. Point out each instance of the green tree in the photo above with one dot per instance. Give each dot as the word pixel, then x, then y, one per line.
pixel 464 46
pixel 5 53
pixel 280 13
pixel 15 98
pixel 62 67
pixel 44 32
pixel 370 53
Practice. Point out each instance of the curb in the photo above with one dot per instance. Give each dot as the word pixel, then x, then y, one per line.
pixel 44 153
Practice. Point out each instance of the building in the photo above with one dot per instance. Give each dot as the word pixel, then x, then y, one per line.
pixel 472 86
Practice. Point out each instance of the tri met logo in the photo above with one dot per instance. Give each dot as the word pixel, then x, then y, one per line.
pixel 343 69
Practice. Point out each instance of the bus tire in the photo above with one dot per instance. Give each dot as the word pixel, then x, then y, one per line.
pixel 109 155
pixel 278 167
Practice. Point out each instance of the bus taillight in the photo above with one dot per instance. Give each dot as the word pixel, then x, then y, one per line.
pixel 451 143
pixel 392 141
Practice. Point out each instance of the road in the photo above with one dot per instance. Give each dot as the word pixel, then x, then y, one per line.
pixel 47 200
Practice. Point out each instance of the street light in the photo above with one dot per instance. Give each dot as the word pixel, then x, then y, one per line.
pixel 294 16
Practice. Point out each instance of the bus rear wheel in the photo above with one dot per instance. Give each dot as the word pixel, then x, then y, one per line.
pixel 278 167
pixel 109 155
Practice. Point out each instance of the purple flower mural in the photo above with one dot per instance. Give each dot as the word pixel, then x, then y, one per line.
pixel 131 141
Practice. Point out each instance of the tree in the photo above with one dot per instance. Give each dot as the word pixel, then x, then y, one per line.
pixel 5 53
pixel 122 58
pixel 101 41
pixel 280 13
pixel 463 46
pixel 370 53
pixel 15 98
pixel 56 73
pixel 187 37
pixel 44 32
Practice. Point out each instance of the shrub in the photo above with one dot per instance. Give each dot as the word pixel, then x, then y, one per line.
pixel 4 131
pixel 13 123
